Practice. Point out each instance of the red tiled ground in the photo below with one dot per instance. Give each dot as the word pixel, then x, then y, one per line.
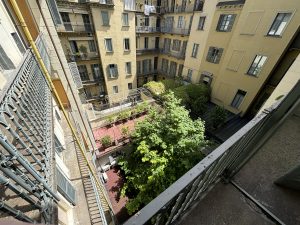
pixel 113 187
pixel 114 132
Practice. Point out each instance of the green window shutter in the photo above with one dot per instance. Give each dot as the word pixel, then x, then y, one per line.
pixel 231 22
pixel 209 54
pixel 65 187
pixel 219 55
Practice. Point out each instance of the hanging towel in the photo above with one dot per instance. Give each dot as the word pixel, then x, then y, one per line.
pixel 147 10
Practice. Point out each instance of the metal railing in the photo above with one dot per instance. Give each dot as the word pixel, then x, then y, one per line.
pixel 83 56
pixel 223 162
pixel 26 140
pixel 183 9
pixel 179 55
pixel 145 73
pixel 76 27
pixel 173 30
pixel 146 29
pixel 147 51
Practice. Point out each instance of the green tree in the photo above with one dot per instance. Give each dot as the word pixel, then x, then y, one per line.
pixel 218 116
pixel 165 145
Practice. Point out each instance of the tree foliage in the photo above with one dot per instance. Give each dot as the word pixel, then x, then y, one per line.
pixel 165 145
pixel 218 116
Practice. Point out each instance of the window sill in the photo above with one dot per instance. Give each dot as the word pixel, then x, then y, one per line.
pixel 105 25
pixel 273 36
pixel 126 50
pixel 251 75
pixel 200 29
pixel 125 26
pixel 128 75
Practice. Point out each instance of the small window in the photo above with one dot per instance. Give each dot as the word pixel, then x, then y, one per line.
pixel 105 18
pixel 257 65
pixel 108 45
pixel 146 21
pixel 125 19
pixel 238 98
pixel 115 89
pixel 126 44
pixel 226 22
pixel 195 50
pixel 18 42
pixel 201 23
pixel 5 62
pixel 214 55
pixel 189 74
pixel 279 24
pixel 180 23
pixel 128 68
pixel 92 46
pixel 176 45
pixel 146 42
pixel 129 86
pixel 113 70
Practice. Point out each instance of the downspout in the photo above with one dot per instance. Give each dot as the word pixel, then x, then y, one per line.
pixel 53 90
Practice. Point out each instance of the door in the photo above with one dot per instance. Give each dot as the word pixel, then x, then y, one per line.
pixel 155 63
pixel 158 22
pixel 66 20
pixel 74 47
pixel 86 22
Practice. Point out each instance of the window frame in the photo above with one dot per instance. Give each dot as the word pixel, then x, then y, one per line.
pixel 189 75
pixel 236 99
pixel 115 89
pixel 180 23
pixel 195 50
pixel 176 45
pixel 225 23
pixel 274 21
pixel 114 69
pixel 124 42
pixel 125 23
pixel 130 86
pixel 256 68
pixel 128 72
pixel 105 42
pixel 214 58
pixel 84 75
pixel 102 17
pixel 202 24
pixel 92 46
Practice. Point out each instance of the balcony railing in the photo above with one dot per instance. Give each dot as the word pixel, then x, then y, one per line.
pixel 183 9
pixel 83 56
pixel 145 73
pixel 147 51
pixel 76 28
pixel 147 29
pixel 178 55
pixel 172 30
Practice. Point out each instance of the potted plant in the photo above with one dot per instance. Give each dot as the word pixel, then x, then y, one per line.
pixel 125 131
pixel 83 50
pixel 106 141
pixel 110 120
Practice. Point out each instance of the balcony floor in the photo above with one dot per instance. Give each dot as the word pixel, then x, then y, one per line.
pixel 229 206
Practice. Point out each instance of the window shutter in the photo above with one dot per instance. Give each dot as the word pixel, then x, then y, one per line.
pixel 220 22
pixel 116 70
pixel 219 55
pixel 108 71
pixel 65 187
pixel 231 22
pixel 209 54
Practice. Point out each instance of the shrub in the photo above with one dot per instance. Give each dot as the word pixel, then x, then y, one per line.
pixel 106 141
pixel 125 131
pixel 123 115
pixel 171 84
pixel 218 116
pixel 111 119
pixel 156 88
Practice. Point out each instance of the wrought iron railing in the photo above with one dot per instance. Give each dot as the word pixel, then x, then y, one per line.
pixel 179 55
pixel 76 27
pixel 223 162
pixel 26 141
pixel 173 30
pixel 147 51
pixel 83 56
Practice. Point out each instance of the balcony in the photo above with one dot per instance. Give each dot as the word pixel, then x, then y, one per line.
pixel 147 73
pixel 89 82
pixel 83 56
pixel 172 30
pixel 178 55
pixel 183 9
pixel 75 28
pixel 249 179
pixel 147 29
pixel 147 51
pixel 91 98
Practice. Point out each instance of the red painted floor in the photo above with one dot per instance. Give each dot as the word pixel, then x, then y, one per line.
pixel 113 186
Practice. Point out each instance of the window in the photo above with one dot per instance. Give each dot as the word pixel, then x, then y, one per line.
pixel 201 22
pixel 180 23
pixel 57 115
pixel 125 19
pixel 189 74
pixel 92 46
pixel 115 89
pixel 5 62
pixel 147 66
pixel 138 67
pixel 57 145
pixel 83 72
pixel 74 47
pixel 96 71
pixel 54 12
pixel 195 50
pixel 113 70
pixel 108 45
pixel 226 22
pixel 176 45
pixel 214 54
pixel 180 69
pixel 105 18
pixel 128 67
pixel 129 86
pixel 167 45
pixel 165 65
pixel 146 42
pixel 18 42
pixel 129 4
pixel 146 21
pixel 65 187
pixel 238 98
pixel 279 24
pixel 257 65
pixel 173 69
pixel 126 44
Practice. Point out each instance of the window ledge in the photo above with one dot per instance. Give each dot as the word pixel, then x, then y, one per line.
pixel 105 25
pixel 125 26
pixel 273 36
pixel 200 29
pixel 251 75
